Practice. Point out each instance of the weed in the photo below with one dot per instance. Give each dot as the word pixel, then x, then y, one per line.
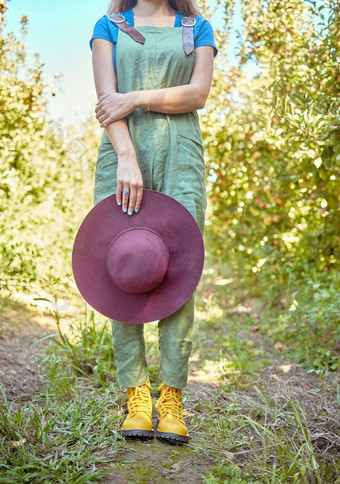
pixel 141 473
pixel 275 434
pixel 59 442
pixel 227 473
pixel 87 349
pixel 301 311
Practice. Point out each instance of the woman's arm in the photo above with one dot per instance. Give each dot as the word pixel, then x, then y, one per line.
pixel 170 100
pixel 128 172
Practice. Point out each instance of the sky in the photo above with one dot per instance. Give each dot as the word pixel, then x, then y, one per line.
pixel 60 32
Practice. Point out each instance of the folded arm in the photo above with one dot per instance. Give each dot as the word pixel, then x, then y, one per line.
pixel 105 82
pixel 129 176
pixel 170 100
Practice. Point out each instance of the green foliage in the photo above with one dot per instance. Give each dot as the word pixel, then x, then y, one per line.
pixel 267 437
pixel 44 177
pixel 301 318
pixel 61 442
pixel 308 320
pixel 226 474
pixel 274 151
pixel 68 433
pixel 85 352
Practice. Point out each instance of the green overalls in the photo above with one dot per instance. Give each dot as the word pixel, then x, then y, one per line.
pixel 170 156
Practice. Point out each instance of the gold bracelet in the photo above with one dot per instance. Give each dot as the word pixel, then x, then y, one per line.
pixel 149 102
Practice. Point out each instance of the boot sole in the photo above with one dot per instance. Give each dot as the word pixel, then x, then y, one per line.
pixel 171 438
pixel 138 434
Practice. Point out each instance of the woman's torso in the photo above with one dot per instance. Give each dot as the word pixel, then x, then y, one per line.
pixel 168 146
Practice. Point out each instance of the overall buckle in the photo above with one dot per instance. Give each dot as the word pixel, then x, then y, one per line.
pixel 117 18
pixel 187 19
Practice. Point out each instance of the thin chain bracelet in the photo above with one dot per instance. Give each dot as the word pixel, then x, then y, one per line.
pixel 149 102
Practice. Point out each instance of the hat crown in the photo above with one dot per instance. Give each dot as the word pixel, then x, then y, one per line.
pixel 137 260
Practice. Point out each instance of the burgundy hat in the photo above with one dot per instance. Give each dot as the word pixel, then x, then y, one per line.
pixel 139 268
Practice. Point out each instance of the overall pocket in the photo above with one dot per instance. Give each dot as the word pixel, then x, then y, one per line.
pixel 191 168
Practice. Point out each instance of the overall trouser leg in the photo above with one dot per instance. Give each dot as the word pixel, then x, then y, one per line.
pixel 175 337
pixel 176 332
pixel 129 353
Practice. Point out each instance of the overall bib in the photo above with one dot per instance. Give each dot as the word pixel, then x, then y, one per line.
pixel 170 156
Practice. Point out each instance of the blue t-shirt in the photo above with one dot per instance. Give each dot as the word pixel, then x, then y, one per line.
pixel 108 30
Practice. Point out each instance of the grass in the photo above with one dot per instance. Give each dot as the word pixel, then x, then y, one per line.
pixel 269 441
pixel 295 458
pixel 143 473
pixel 307 320
pixel 87 348
pixel 68 432
pixel 298 314
pixel 245 429
pixel 58 442
pixel 234 349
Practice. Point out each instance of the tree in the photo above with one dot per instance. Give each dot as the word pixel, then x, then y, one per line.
pixel 46 171
pixel 274 151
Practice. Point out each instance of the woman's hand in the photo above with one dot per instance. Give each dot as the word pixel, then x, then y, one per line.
pixel 114 106
pixel 129 178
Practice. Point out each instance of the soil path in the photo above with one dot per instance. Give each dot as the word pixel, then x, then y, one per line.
pixel 20 331
pixel 155 462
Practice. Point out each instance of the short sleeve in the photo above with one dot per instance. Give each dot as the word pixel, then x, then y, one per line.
pixel 204 34
pixel 104 29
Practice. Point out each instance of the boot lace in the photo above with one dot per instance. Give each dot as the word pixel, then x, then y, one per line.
pixel 139 400
pixel 170 402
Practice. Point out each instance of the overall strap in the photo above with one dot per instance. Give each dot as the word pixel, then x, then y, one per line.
pixel 188 33
pixel 122 24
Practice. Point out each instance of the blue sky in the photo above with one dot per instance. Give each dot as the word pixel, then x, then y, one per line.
pixel 60 33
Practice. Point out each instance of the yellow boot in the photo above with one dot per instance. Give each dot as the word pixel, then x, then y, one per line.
pixel 138 423
pixel 171 426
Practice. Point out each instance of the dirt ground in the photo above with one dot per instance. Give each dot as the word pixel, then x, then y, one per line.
pixel 20 332
pixel 158 462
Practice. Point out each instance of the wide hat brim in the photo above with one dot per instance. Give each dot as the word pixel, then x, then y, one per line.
pixel 173 222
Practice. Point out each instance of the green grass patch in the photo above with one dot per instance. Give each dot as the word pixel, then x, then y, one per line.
pixel 295 315
pixel 269 438
pixel 59 442
pixel 70 431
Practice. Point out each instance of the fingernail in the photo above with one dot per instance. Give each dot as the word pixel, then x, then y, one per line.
pixel 130 213
pixel 125 210
pixel 136 210
pixel 119 203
